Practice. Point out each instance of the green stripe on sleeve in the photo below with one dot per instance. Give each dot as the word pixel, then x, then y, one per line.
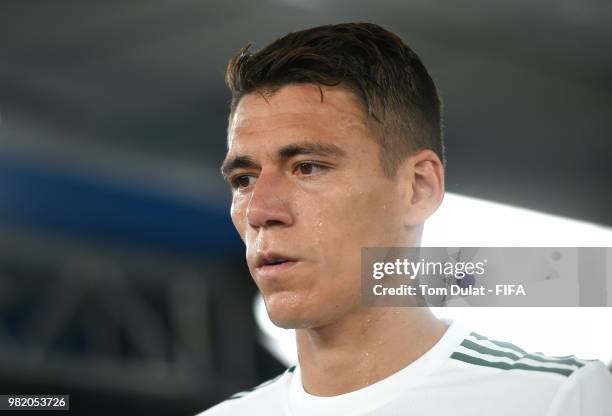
pixel 499 343
pixel 507 366
pixel 485 350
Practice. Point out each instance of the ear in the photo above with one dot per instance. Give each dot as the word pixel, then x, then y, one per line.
pixel 422 180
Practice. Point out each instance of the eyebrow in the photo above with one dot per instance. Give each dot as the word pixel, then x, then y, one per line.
pixel 284 153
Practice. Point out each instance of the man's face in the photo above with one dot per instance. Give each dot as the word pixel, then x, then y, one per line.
pixel 308 193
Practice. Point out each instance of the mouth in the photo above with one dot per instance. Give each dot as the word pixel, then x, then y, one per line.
pixel 273 263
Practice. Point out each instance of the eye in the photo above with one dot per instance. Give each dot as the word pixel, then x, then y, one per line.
pixel 242 181
pixel 309 168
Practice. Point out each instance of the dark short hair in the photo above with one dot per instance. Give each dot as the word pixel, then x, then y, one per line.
pixel 398 93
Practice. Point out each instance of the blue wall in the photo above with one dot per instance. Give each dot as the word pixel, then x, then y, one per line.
pixel 102 209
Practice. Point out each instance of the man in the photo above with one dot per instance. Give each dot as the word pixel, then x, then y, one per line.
pixel 334 144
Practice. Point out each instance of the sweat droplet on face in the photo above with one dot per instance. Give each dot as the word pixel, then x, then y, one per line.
pixel 292 301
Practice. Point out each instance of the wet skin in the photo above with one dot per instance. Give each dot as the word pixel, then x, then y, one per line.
pixel 308 186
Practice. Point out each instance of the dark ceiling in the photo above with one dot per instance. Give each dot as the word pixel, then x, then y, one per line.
pixel 527 85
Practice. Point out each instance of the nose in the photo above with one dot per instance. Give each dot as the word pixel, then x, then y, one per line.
pixel 269 204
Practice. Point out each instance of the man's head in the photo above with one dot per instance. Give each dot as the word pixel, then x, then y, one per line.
pixel 334 144
pixel 399 96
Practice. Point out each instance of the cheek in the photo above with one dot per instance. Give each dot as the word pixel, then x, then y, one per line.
pixel 364 217
pixel 238 215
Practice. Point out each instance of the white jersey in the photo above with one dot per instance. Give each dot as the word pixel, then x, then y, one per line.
pixel 463 374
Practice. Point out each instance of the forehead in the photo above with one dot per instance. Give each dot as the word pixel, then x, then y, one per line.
pixel 298 112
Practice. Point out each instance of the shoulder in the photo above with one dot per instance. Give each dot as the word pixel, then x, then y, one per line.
pixel 555 384
pixel 268 397
pixel 478 351
pixel 586 392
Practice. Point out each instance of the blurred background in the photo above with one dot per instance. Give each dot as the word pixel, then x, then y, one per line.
pixel 122 280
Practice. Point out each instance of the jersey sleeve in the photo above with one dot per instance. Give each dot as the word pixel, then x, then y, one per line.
pixel 587 392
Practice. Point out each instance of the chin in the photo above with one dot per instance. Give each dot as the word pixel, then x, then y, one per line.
pixel 285 312
pixel 287 323
pixel 287 319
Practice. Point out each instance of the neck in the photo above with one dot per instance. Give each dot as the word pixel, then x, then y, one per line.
pixel 363 348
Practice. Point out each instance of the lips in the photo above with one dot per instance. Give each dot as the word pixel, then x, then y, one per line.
pixel 272 263
pixel 273 259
